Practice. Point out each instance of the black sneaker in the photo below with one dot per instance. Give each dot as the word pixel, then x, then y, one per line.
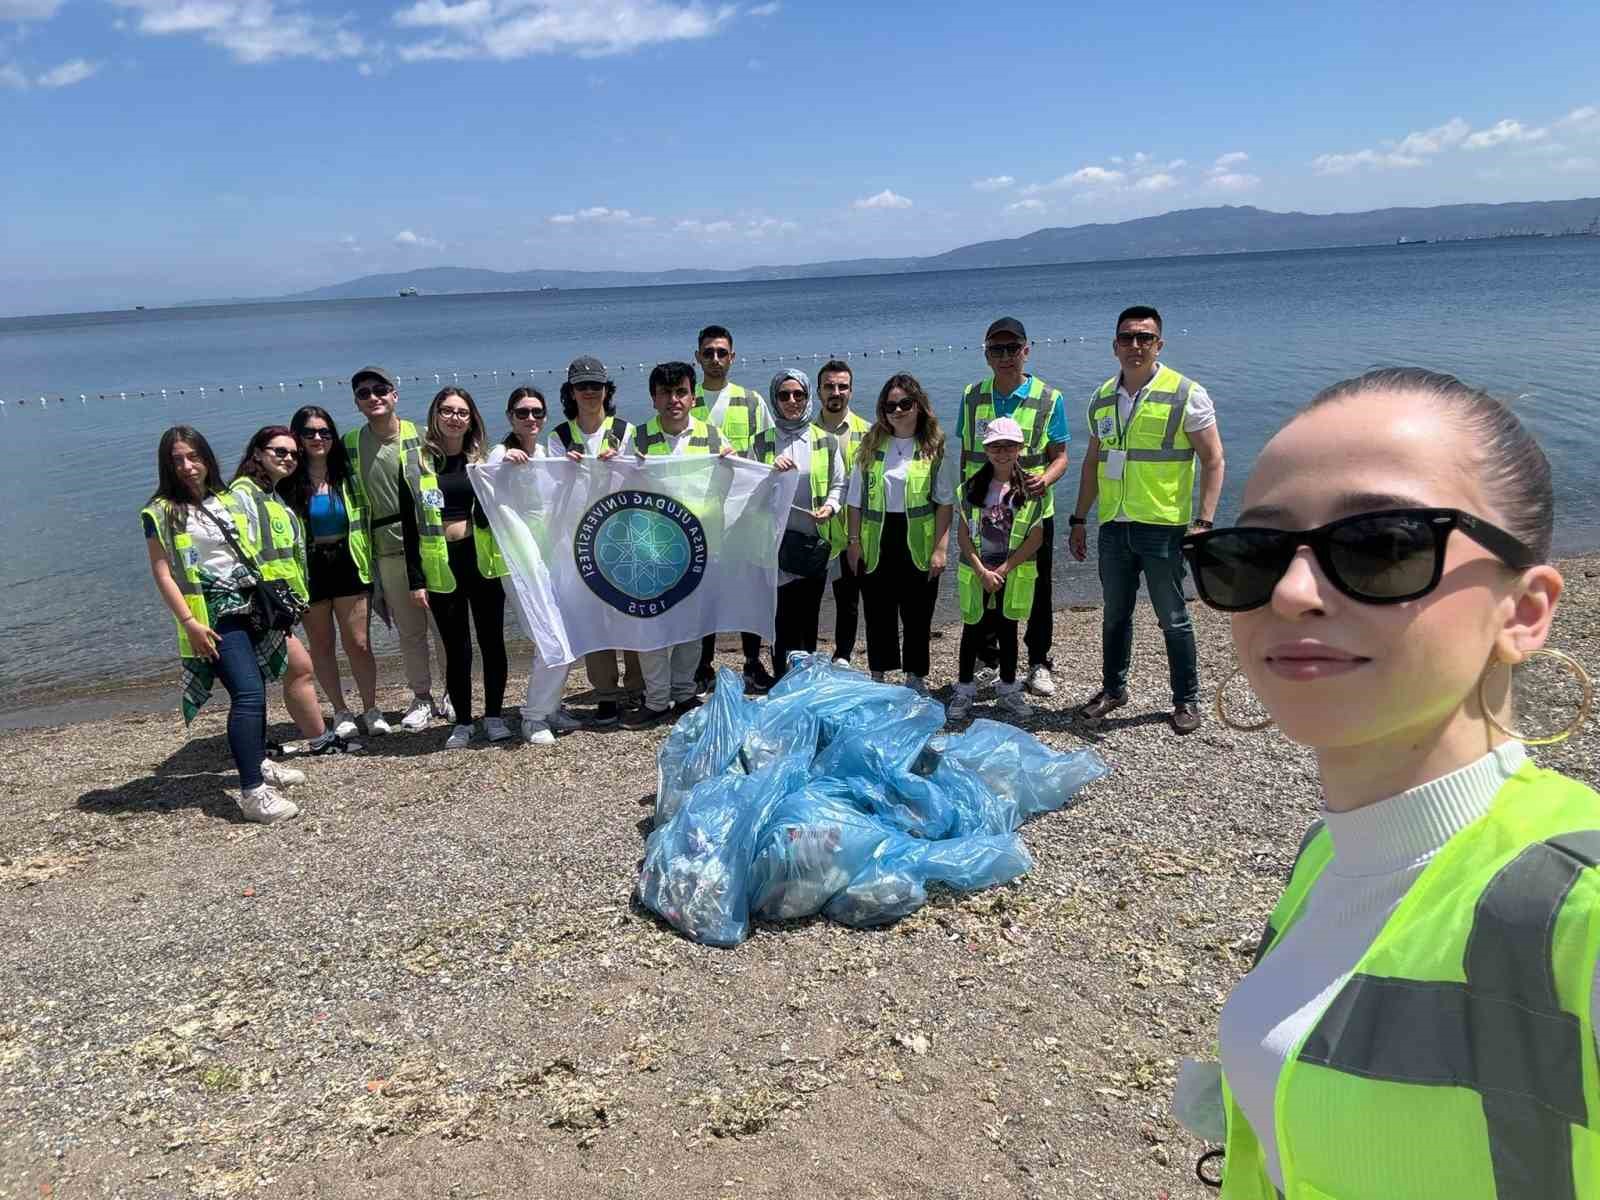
pixel 686 706
pixel 705 683
pixel 644 717
pixel 607 713
pixel 757 678
pixel 332 743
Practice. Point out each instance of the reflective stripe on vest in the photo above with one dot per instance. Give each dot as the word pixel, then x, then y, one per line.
pixel 1032 414
pixel 820 468
pixel 741 417
pixel 920 474
pixel 651 439
pixel 173 534
pixel 1157 484
pixel 614 429
pixel 1016 597
pixel 272 535
pixel 426 500
pixel 837 530
pixel 1461 1049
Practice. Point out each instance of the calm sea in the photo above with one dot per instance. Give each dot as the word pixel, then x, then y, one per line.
pixel 79 615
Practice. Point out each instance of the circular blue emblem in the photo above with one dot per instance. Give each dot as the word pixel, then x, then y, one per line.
pixel 640 552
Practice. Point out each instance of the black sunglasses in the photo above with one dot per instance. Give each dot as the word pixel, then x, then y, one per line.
pixel 1004 349
pixel 1386 557
pixel 904 404
pixel 1136 337
pixel 318 434
pixel 528 414
pixel 279 453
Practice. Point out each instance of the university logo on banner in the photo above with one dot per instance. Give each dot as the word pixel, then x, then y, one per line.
pixel 637 554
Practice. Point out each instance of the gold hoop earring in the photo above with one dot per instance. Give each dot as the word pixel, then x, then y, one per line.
pixel 1585 704
pixel 1222 708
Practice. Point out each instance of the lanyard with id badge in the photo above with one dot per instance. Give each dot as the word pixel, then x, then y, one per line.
pixel 1117 460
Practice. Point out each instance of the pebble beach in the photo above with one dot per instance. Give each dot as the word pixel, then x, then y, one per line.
pixel 437 982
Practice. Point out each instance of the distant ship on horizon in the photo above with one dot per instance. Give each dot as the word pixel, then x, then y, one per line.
pixel 408 291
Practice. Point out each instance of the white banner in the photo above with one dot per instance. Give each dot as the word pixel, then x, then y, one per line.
pixel 637 554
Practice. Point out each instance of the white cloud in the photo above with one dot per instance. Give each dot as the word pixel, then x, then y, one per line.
pixel 766 10
pixel 28 10
pixel 252 31
pixel 600 214
pixel 703 228
pixel 511 29
pixel 1177 164
pixel 1343 164
pixel 1231 181
pixel 1031 204
pixel 765 225
pixel 11 76
pixel 408 238
pixel 1159 182
pixel 994 183
pixel 883 199
pixel 1231 159
pixel 68 73
pixel 1502 132
pixel 1435 140
pixel 1093 176
pixel 1583 120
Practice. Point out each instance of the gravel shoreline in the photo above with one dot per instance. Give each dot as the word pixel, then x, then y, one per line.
pixel 435 982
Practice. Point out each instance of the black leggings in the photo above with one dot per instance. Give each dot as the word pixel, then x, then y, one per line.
pixel 486 600
pixel 992 632
pixel 897 597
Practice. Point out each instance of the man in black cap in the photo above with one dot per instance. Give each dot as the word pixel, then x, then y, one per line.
pixel 1042 413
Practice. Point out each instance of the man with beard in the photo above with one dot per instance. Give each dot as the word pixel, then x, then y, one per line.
pixel 835 383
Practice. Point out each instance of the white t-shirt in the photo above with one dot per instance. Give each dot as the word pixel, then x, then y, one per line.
pixel 497 452
pixel 901 452
pixel 593 443
pixel 1198 413
pixel 209 550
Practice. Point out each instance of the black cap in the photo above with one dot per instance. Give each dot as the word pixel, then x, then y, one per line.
pixel 373 373
pixel 1007 325
pixel 587 369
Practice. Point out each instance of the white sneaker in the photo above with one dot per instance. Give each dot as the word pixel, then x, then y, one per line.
pixel 496 729
pixel 344 724
pixel 841 662
pixel 265 806
pixel 279 775
pixel 460 738
pixel 563 722
pixel 916 683
pixel 961 703
pixel 444 710
pixel 1012 702
pixel 537 733
pixel 376 725
pixel 1041 682
pixel 984 679
pixel 417 715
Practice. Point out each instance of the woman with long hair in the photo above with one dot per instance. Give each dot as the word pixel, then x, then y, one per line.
pixel 900 499
pixel 203 583
pixel 525 413
pixel 1421 1017
pixel 471 594
pixel 340 602
pixel 277 539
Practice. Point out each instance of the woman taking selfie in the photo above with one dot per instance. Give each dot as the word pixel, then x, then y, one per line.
pixel 339 599
pixel 1421 1018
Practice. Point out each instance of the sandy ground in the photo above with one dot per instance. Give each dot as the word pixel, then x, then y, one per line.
pixel 436 982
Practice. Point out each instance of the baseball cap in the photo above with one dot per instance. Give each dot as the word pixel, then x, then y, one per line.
pixel 587 369
pixel 1003 429
pixel 1007 325
pixel 373 373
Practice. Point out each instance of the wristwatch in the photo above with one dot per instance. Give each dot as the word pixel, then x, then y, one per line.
pixel 1200 523
pixel 1077 520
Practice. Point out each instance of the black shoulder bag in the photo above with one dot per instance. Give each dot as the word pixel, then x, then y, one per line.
pixel 274 605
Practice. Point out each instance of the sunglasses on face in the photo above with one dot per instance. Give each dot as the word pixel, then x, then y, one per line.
pixel 1386 557
pixel 528 414
pixel 792 397
pixel 1003 349
pixel 380 390
pixel 904 404
pixel 1137 337
pixel 316 435
pixel 279 453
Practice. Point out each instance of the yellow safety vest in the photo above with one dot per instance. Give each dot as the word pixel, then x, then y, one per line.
pixel 650 438
pixel 425 495
pixel 614 430
pixel 173 534
pixel 1157 484
pixel 1016 597
pixel 920 508
pixel 272 535
pixel 823 444
pixel 743 418
pixel 1032 414
pixel 837 530
pixel 1459 1059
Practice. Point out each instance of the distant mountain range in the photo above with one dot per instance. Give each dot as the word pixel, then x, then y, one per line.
pixel 1227 229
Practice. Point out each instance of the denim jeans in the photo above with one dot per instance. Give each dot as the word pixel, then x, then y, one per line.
pixel 240 674
pixel 1127 549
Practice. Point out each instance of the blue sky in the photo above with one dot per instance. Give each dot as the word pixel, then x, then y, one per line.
pixel 162 150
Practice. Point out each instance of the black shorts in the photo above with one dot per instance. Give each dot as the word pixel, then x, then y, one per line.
pixel 333 572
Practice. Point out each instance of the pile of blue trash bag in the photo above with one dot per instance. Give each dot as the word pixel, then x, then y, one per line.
pixel 838 795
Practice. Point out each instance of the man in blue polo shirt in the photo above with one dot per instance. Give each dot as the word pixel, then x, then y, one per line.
pixel 1042 412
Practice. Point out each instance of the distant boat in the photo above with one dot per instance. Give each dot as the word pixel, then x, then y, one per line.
pixel 1405 241
pixel 408 291
pixel 138 308
pixel 548 288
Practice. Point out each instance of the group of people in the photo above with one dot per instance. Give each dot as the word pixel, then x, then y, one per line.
pixel 1421 1016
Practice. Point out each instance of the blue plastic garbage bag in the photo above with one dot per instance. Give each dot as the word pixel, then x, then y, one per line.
pixel 696 870
pixel 702 745
pixel 844 700
pixel 895 882
pixel 1017 768
pixel 776 731
pixel 815 842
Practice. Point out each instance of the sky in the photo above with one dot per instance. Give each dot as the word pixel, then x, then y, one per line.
pixel 157 151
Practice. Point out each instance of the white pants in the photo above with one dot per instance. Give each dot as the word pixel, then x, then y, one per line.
pixel 669 674
pixel 545 685
pixel 410 622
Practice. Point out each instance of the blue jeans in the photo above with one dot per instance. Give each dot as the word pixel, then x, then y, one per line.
pixel 240 673
pixel 1128 548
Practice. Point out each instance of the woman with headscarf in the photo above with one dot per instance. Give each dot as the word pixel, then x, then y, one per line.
pixel 793 443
